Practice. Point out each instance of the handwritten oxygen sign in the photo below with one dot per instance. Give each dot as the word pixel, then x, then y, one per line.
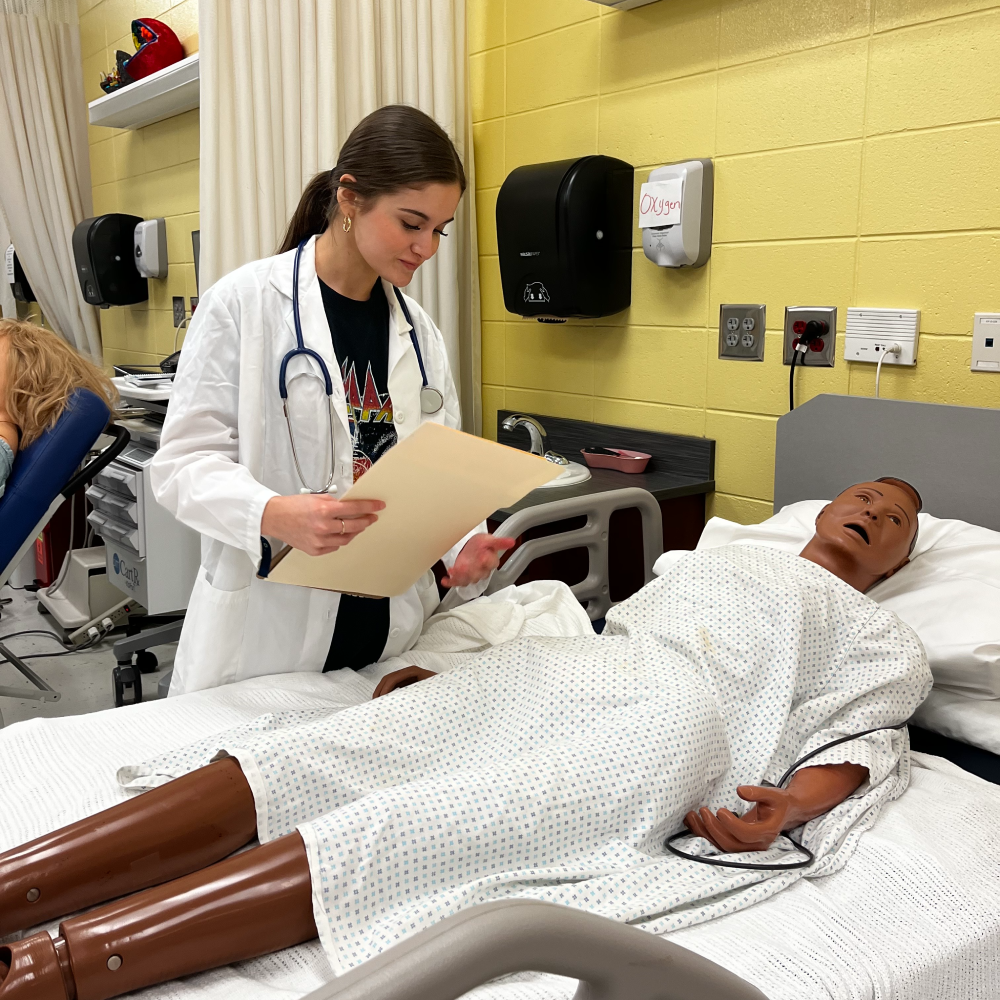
pixel 660 203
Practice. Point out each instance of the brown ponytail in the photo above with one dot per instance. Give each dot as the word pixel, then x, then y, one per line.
pixel 392 148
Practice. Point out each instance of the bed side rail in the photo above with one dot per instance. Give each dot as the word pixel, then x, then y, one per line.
pixel 593 592
pixel 612 961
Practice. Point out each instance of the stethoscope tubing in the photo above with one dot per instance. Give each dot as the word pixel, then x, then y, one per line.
pixel 431 399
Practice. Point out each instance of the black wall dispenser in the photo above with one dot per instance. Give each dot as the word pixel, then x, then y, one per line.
pixel 103 248
pixel 564 231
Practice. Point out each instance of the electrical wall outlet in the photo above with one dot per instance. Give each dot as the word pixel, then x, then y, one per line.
pixel 822 352
pixel 179 313
pixel 741 332
pixel 986 342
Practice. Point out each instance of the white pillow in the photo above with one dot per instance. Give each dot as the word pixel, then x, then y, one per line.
pixel 949 594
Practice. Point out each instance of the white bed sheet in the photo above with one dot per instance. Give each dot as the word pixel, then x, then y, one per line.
pixel 969 720
pixel 913 915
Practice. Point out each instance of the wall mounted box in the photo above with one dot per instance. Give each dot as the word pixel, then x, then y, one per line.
pixel 870 331
pixel 986 342
pixel 564 231
pixel 150 248
pixel 103 247
pixel 687 243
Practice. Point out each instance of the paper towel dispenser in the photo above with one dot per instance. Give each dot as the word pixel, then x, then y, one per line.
pixel 564 231
pixel 105 263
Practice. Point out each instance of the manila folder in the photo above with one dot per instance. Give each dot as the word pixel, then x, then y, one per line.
pixel 437 485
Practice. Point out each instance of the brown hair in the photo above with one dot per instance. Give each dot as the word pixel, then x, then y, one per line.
pixel 392 148
pixel 40 373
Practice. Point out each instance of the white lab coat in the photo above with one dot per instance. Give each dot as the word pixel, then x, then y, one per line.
pixel 225 452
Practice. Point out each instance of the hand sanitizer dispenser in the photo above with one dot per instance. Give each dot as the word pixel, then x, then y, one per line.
pixel 675 214
pixel 150 241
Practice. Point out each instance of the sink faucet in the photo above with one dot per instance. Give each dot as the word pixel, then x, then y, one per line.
pixel 535 430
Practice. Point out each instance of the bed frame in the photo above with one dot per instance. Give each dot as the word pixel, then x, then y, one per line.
pixel 949 453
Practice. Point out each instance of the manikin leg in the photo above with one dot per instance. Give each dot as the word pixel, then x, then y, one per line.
pixel 181 827
pixel 248 905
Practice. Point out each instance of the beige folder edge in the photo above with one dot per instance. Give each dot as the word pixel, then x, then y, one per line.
pixel 437 485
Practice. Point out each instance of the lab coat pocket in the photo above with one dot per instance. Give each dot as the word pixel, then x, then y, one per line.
pixel 209 651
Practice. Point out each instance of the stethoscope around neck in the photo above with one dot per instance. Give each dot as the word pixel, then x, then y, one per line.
pixel 431 399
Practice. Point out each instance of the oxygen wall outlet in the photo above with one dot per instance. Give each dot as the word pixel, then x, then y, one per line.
pixel 822 349
pixel 741 332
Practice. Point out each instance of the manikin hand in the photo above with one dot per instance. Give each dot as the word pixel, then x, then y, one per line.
pixel 811 792
pixel 479 557
pixel 754 831
pixel 401 678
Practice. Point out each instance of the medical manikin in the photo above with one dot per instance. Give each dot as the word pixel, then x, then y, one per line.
pixel 184 902
pixel 38 373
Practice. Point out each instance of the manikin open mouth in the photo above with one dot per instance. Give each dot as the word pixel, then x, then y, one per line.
pixel 860 530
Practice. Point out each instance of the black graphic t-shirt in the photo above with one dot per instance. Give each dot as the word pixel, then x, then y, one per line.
pixel 360 332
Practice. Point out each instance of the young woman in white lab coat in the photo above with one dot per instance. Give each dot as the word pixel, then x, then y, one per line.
pixel 225 465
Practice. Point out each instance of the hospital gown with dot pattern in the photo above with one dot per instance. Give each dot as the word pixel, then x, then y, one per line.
pixel 554 768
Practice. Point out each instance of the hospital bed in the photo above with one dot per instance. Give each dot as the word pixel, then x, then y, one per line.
pixel 44 476
pixel 912 915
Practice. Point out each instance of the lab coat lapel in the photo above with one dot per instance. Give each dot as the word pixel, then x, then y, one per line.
pixel 404 370
pixel 315 327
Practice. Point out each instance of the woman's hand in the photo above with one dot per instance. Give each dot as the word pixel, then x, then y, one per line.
pixel 479 557
pixel 316 523
pixel 401 678
pixel 811 792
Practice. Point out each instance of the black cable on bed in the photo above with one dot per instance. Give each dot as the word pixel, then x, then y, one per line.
pixel 716 860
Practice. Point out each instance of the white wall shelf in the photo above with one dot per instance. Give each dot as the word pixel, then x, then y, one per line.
pixel 166 93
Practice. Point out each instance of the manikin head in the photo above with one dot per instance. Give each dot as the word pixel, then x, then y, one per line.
pixel 396 185
pixel 867 533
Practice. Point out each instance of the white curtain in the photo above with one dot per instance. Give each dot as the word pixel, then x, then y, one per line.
pixel 283 82
pixel 44 158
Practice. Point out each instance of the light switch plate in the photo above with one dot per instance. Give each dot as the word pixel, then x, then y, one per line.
pixel 741 332
pixel 986 343
pixel 821 353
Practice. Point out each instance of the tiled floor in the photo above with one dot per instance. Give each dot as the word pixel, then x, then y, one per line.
pixel 82 679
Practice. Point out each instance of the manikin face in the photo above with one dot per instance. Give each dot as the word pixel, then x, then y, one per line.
pixel 399 231
pixel 871 526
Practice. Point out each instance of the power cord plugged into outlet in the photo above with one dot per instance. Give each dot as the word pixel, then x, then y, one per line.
pixel 894 349
pixel 814 330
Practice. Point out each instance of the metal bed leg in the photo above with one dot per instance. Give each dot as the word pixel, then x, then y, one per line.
pixel 44 692
pixel 612 961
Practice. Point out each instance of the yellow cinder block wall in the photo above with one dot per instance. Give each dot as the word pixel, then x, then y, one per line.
pixel 151 172
pixel 856 147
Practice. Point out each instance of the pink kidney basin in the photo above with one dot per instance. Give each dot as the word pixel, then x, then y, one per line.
pixel 622 461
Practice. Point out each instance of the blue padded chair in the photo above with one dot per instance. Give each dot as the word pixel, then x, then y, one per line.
pixel 40 482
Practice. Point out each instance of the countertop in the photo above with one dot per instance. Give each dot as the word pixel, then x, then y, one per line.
pixel 681 465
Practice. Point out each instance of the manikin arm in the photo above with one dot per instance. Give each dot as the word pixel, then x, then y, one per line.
pixel 811 792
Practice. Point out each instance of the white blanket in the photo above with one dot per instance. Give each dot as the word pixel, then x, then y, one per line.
pixel 554 769
pixel 912 917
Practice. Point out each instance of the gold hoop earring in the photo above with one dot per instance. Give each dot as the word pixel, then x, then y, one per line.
pixel 347 224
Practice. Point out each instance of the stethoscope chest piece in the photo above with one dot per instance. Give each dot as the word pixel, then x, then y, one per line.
pixel 431 399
